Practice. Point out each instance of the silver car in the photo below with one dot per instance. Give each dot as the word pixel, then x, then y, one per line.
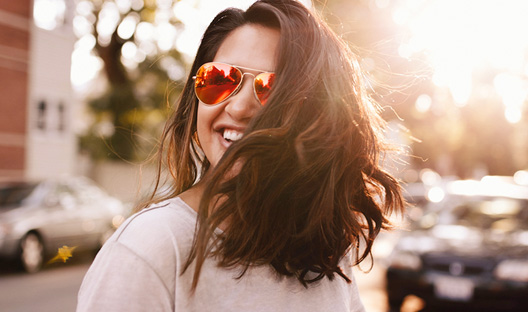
pixel 38 218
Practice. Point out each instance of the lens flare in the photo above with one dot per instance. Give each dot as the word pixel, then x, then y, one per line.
pixel 63 254
pixel 462 38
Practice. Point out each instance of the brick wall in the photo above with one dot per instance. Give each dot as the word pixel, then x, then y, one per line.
pixel 15 18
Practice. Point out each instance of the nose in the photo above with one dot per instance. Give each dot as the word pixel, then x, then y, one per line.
pixel 243 105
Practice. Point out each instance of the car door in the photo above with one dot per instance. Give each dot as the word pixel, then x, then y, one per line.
pixel 61 221
pixel 94 217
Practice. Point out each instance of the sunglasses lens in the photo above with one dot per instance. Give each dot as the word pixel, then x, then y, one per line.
pixel 263 85
pixel 215 82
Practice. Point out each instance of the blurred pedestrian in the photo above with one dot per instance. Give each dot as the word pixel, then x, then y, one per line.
pixel 274 153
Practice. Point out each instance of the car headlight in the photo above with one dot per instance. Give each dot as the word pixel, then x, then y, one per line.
pixel 405 261
pixel 513 270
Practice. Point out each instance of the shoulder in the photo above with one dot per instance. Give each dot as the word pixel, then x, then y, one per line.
pixel 163 228
pixel 171 214
pixel 149 249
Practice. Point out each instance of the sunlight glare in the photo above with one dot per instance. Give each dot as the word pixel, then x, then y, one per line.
pixel 513 90
pixel 86 43
pixel 108 19
pixel 149 38
pixel 81 26
pixel 513 114
pixel 165 36
pixel 423 103
pixel 129 50
pixel 521 177
pixel 48 14
pixel 460 36
pixel 84 7
pixel 429 177
pixel 196 16
pixel 123 5
pixel 460 85
pixel 436 194
pixel 128 26
pixel 144 31
pixel 148 48
pixel 382 4
pixel 85 66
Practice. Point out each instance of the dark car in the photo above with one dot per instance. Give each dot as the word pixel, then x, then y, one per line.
pixel 468 250
pixel 38 218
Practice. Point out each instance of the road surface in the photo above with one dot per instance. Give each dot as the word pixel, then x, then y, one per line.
pixel 55 289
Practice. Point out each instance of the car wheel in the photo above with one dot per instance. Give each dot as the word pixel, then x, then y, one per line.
pixel 32 253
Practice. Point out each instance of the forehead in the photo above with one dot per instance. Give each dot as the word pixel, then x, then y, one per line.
pixel 252 46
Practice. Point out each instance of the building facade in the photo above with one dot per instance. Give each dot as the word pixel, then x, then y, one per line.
pixel 14 81
pixel 37 138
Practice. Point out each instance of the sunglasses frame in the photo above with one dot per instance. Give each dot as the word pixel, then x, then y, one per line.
pixel 241 69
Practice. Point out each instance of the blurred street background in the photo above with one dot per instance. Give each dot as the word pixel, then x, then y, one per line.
pixel 55 288
pixel 87 86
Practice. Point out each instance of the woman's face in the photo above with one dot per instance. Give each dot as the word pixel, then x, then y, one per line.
pixel 251 46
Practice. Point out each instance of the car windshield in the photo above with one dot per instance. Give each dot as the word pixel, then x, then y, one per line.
pixel 495 213
pixel 14 195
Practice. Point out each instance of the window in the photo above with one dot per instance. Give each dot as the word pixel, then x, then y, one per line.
pixel 41 115
pixel 62 117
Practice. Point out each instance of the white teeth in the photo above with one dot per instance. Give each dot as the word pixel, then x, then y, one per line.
pixel 232 135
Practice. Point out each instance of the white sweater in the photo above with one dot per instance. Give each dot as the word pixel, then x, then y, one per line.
pixel 139 269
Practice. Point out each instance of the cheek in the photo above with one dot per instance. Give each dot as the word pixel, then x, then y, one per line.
pixel 204 124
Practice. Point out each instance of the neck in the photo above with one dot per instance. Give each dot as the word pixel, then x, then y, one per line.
pixel 193 196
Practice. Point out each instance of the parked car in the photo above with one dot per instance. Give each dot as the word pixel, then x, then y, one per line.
pixel 469 250
pixel 37 218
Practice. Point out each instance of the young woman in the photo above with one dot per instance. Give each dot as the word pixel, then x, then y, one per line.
pixel 273 151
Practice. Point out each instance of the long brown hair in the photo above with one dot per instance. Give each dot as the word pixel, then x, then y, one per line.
pixel 304 184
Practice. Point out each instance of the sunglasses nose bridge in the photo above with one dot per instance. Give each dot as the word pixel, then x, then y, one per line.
pixel 243 74
pixel 242 82
pixel 243 103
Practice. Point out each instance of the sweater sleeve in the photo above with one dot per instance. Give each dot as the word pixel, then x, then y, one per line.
pixel 138 267
pixel 121 280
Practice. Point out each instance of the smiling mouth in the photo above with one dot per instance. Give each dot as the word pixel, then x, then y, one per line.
pixel 231 135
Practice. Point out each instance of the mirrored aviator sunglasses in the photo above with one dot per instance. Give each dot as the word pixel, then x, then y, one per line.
pixel 216 82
